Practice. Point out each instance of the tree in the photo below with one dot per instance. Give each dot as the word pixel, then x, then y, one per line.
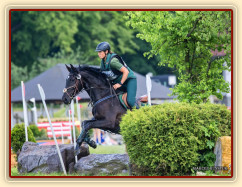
pixel 185 40
pixel 142 65
pixel 18 74
pixel 36 34
pixel 98 26
pixel 41 39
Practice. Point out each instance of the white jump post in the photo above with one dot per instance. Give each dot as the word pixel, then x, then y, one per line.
pixel 34 109
pixel 25 111
pixel 73 123
pixel 62 134
pixel 12 122
pixel 70 125
pixel 149 87
pixel 78 110
pixel 42 94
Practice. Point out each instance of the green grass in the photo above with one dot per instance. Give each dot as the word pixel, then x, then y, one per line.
pixel 60 113
pixel 109 149
pixel 14 172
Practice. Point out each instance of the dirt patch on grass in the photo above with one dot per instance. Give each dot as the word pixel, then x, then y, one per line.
pixel 14 162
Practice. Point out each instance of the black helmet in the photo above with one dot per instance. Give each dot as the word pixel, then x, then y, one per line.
pixel 103 46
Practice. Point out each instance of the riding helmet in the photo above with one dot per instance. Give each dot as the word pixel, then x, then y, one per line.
pixel 103 46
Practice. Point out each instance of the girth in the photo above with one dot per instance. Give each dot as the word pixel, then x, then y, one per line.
pixel 103 99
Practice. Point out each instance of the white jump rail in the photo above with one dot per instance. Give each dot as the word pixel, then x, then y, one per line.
pixel 42 94
pixel 25 111
pixel 149 87
pixel 73 124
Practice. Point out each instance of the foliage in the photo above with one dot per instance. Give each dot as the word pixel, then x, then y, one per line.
pixel 38 34
pixel 41 39
pixel 172 138
pixel 35 130
pixel 18 136
pixel 38 134
pixel 97 26
pixel 51 32
pixel 185 40
pixel 61 57
pixel 18 74
pixel 142 65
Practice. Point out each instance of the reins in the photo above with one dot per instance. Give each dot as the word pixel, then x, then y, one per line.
pixel 76 90
pixel 65 90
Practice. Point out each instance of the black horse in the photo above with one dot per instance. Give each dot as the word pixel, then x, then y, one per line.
pixel 107 109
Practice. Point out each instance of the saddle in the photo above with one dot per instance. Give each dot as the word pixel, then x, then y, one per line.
pixel 141 101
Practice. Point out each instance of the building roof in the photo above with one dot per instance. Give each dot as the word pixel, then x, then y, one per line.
pixel 53 82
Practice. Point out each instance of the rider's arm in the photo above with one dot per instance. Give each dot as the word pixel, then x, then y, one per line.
pixel 125 72
pixel 115 64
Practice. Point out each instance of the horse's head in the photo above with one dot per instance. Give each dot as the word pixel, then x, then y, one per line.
pixel 73 84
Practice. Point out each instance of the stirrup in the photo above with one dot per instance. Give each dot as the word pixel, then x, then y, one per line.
pixel 137 105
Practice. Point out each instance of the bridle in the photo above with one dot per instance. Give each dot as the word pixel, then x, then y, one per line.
pixel 78 79
pixel 65 90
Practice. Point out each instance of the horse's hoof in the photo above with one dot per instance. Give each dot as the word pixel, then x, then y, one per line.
pixel 77 150
pixel 93 144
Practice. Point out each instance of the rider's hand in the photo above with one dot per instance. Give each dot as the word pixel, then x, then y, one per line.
pixel 116 86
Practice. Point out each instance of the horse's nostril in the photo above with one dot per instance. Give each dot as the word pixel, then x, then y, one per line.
pixel 64 99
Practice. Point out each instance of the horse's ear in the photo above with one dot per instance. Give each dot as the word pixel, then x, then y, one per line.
pixel 73 68
pixel 68 68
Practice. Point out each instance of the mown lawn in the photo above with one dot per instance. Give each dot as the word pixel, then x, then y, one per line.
pixel 14 172
pixel 108 149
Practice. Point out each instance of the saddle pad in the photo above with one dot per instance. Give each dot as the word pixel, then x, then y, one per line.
pixel 142 101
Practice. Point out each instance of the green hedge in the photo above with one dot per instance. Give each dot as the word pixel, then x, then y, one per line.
pixel 18 137
pixel 172 138
pixel 38 134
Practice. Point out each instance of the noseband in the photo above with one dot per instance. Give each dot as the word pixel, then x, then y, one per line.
pixel 65 90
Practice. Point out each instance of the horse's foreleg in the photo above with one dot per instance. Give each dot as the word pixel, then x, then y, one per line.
pixel 84 137
pixel 84 133
pixel 86 126
pixel 79 142
pixel 90 142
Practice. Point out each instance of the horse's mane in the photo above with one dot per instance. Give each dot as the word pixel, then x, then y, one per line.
pixel 95 72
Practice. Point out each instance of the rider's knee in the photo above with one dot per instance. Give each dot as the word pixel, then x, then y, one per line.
pixel 131 102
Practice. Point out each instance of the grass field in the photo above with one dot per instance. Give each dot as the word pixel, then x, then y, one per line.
pixel 108 149
pixel 14 172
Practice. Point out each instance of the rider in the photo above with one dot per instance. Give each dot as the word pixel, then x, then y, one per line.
pixel 121 76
